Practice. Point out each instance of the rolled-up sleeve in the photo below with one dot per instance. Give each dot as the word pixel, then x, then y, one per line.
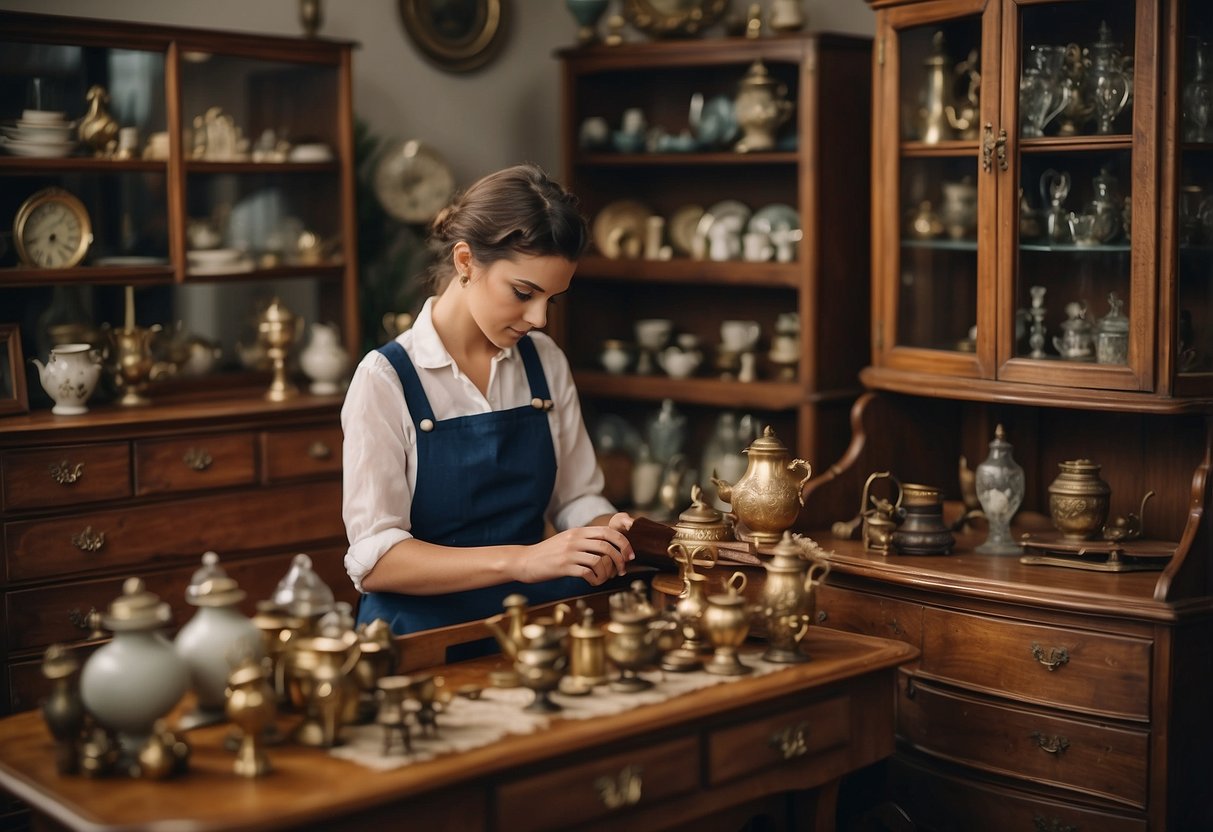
pixel 577 495
pixel 376 495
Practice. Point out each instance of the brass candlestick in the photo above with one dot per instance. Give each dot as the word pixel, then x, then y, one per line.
pixel 277 330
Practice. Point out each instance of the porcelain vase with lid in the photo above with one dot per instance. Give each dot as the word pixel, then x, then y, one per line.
pixel 215 641
pixel 70 377
pixel 324 360
pixel 138 677
pixel 761 107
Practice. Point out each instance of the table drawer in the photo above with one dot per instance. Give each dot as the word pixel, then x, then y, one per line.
pixel 873 615
pixel 66 475
pixel 781 739
pixel 241 521
pixel 604 786
pixel 1093 672
pixel 934 800
pixel 309 452
pixel 194 463
pixel 1029 744
pixel 39 617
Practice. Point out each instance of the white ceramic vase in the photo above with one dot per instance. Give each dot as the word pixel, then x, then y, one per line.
pixel 69 377
pixel 324 360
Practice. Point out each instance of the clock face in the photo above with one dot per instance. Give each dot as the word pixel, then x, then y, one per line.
pixel 52 230
pixel 413 183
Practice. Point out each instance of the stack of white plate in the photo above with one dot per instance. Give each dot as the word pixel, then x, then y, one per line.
pixel 218 261
pixel 42 134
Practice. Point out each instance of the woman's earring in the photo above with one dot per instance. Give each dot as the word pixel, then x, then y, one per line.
pixel 464 277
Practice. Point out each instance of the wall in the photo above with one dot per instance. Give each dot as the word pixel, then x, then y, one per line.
pixel 505 113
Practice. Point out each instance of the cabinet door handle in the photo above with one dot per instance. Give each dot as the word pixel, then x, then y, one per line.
pixel 319 450
pixel 792 741
pixel 622 790
pixel 65 473
pixel 1000 147
pixel 88 540
pixel 987 147
pixel 197 459
pixel 1050 745
pixel 1056 657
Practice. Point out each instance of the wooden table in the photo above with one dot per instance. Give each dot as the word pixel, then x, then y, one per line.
pixel 729 751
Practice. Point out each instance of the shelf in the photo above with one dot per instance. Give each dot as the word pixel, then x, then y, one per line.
pixel 1073 248
pixel 204 167
pixel 21 166
pixel 765 395
pixel 617 160
pixel 327 271
pixel 89 275
pixel 941 245
pixel 1073 144
pixel 952 147
pixel 697 272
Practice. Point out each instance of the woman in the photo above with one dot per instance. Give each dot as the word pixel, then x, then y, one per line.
pixel 464 434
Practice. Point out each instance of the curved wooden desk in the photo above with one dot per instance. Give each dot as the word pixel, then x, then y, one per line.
pixel 727 751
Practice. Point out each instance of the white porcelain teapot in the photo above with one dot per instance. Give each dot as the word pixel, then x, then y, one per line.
pixel 69 377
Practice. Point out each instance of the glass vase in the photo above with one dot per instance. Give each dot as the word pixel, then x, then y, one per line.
pixel 1000 485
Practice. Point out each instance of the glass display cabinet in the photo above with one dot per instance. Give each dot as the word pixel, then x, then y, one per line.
pixel 173 179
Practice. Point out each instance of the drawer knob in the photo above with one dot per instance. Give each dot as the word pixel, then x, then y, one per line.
pixel 1051 825
pixel 197 459
pixel 1055 658
pixel 65 473
pixel 88 540
pixel 1050 745
pixel 792 741
pixel 319 450
pixel 87 622
pixel 621 790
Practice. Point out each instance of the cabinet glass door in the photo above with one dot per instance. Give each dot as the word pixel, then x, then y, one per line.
pixel 1193 211
pixel 935 88
pixel 1078 309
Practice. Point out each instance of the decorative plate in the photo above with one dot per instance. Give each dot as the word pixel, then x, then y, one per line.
pixel 619 229
pixel 682 228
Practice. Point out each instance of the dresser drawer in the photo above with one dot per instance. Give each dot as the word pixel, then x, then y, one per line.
pixel 194 463
pixel 242 521
pixel 873 615
pixel 1093 672
pixel 1097 759
pixel 943 803
pixel 600 788
pixel 66 475
pixel 39 617
pixel 784 738
pixel 309 452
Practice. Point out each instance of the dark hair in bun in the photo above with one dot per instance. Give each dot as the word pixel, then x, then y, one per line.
pixel 515 211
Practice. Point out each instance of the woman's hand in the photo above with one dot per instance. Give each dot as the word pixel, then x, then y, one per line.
pixel 595 553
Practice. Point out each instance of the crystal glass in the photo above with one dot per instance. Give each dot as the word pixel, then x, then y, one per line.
pixel 1197 98
pixel 1110 90
pixel 1000 485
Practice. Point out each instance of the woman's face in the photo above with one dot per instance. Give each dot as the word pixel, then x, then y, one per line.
pixel 509 298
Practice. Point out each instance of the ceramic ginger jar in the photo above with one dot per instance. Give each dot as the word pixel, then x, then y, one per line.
pixel 70 377
pixel 324 360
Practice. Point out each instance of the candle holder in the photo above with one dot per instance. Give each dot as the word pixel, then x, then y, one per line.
pixel 277 330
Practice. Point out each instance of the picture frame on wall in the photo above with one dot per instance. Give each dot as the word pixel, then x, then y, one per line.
pixel 455 35
pixel 14 396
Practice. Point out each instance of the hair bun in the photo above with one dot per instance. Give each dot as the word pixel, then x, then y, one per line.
pixel 441 223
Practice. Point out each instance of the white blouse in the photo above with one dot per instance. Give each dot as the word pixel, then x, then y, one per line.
pixel 379 461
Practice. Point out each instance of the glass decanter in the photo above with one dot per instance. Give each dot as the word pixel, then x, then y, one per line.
pixel 1197 98
pixel 1000 485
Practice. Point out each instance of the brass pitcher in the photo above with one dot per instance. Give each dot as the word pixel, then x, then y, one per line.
pixel 727 621
pixel 768 497
pixel 128 358
pixel 324 666
pixel 789 598
pixel 688 612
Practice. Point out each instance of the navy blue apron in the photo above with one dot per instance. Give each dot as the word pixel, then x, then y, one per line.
pixel 482 480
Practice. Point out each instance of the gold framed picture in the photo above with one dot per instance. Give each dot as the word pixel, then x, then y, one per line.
pixel 457 35
pixel 14 397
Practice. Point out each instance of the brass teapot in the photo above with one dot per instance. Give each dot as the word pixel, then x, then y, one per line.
pixel 506 628
pixel 768 497
pixel 789 597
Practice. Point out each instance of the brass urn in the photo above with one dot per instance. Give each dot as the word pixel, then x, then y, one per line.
pixel 277 330
pixel 1078 500
pixel 701 523
pixel 789 598
pixel 768 497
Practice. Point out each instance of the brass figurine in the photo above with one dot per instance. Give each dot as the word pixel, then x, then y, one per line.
pixel 98 129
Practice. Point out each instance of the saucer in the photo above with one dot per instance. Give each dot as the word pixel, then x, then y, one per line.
pixel 775 216
pixel 44 116
pixel 682 226
pixel 37 150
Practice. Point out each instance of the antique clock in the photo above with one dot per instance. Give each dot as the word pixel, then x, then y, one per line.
pixel 413 182
pixel 52 230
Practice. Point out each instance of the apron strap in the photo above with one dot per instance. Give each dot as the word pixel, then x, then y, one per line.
pixel 414 393
pixel 534 369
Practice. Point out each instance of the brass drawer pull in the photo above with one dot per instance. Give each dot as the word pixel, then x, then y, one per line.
pixel 319 450
pixel 1056 658
pixel 1051 825
pixel 87 622
pixel 1050 745
pixel 621 790
pixel 88 540
pixel 197 459
pixel 65 473
pixel 792 741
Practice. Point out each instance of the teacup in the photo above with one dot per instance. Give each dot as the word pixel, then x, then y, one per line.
pixel 653 333
pixel 756 247
pixel 739 336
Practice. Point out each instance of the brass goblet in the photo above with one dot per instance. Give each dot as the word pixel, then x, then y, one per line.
pixel 252 706
pixel 277 330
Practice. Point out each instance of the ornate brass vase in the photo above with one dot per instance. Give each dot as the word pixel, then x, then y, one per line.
pixel 1078 500
pixel 768 497
pixel 727 621
pixel 789 599
pixel 923 531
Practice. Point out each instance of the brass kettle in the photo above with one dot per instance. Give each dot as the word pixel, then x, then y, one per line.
pixel 789 596
pixel 768 497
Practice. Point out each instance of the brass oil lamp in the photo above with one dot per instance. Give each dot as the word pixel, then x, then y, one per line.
pixel 768 497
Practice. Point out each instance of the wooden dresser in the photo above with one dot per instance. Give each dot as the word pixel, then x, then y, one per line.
pixel 82 509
